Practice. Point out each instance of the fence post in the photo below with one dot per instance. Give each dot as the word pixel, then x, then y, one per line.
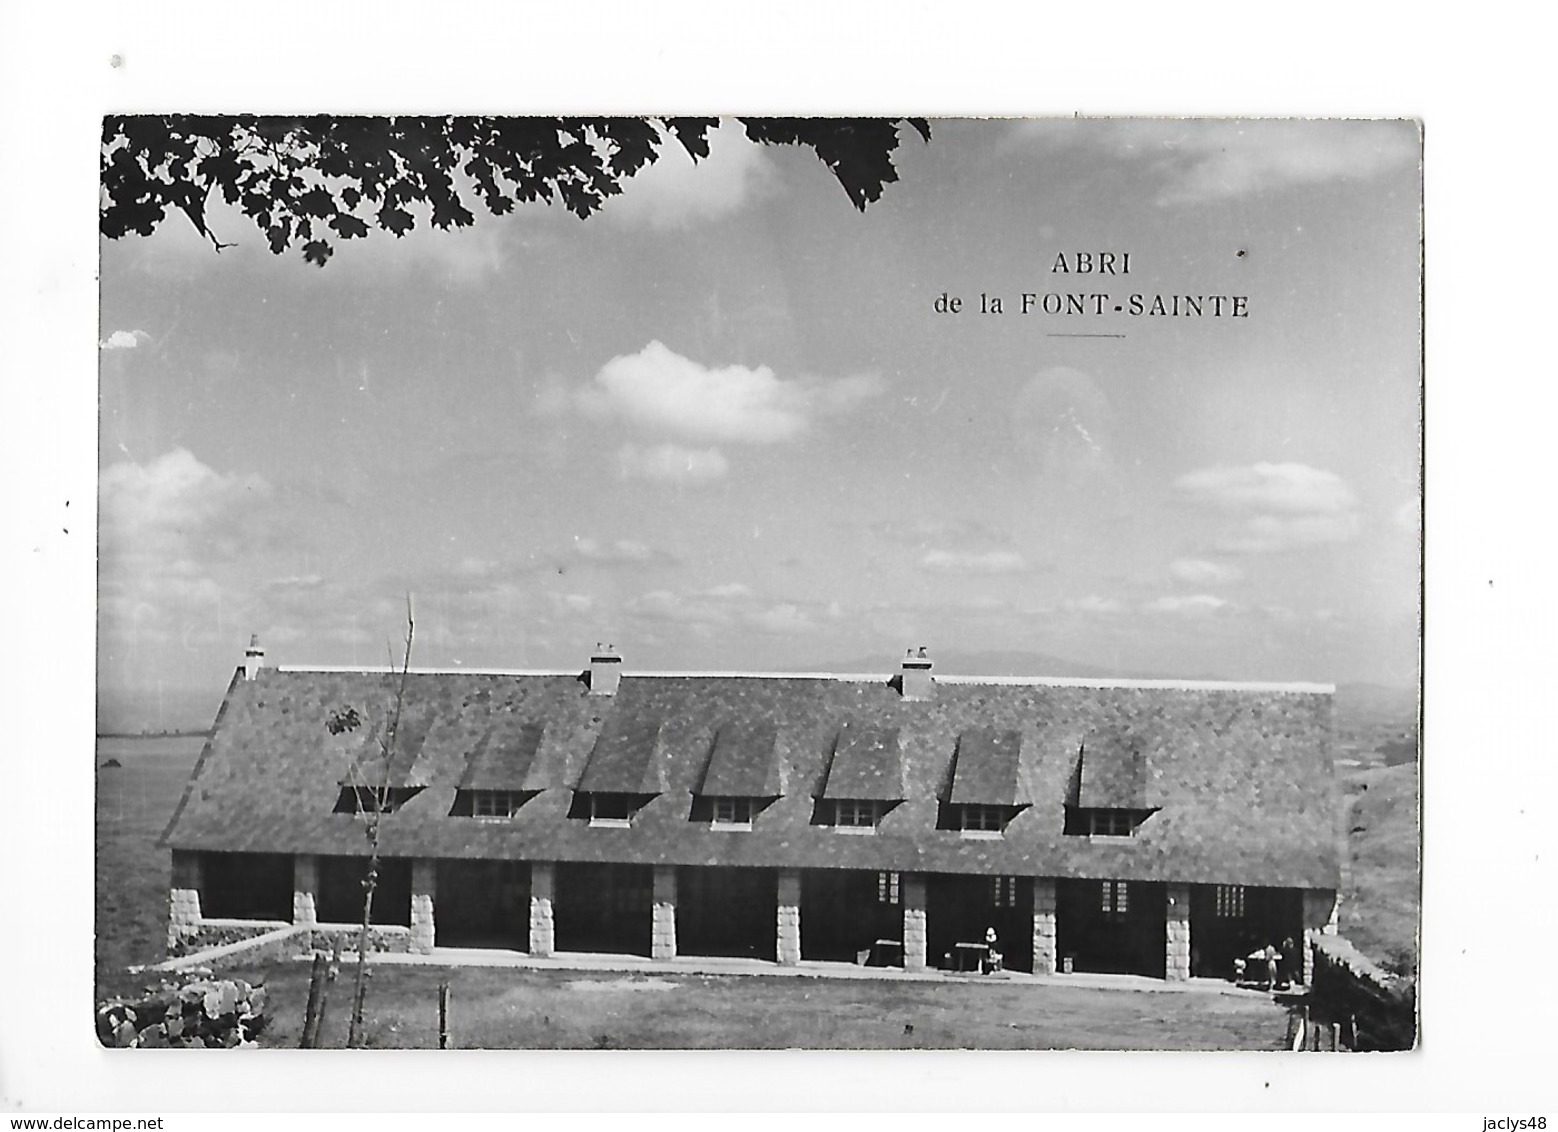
pixel 316 994
pixel 443 1015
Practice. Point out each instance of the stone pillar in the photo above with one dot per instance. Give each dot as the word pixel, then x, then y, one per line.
pixel 543 884
pixel 1176 959
pixel 184 897
pixel 424 886
pixel 787 949
pixel 1044 961
pixel 914 921
pixel 1322 908
pixel 662 937
pixel 305 889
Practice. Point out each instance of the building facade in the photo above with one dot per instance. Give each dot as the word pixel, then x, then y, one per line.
pixel 1149 827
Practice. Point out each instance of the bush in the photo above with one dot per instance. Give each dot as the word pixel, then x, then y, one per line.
pixel 202 1012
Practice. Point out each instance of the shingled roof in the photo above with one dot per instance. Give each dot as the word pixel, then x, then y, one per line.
pixel 986 769
pixel 1241 773
pixel 1114 773
pixel 744 762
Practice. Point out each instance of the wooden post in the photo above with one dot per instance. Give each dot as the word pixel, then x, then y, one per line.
pixel 316 994
pixel 443 1015
pixel 324 996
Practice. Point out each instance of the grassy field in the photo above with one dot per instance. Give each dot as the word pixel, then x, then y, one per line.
pixel 494 1008
pixel 1382 901
pixel 134 802
pixel 504 1007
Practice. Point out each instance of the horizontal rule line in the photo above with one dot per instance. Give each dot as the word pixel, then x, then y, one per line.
pixel 1084 336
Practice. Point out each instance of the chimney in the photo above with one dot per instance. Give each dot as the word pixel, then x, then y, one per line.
pixel 605 670
pixel 253 657
pixel 915 682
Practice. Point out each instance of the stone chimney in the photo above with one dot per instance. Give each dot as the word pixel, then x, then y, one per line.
pixel 915 682
pixel 253 657
pixel 605 670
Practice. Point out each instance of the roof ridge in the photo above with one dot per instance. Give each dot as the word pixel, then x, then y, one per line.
pixel 1295 686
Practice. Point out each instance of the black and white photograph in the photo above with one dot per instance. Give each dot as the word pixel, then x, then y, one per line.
pixel 921 583
pixel 835 560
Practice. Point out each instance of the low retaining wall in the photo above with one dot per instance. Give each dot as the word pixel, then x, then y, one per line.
pixel 203 935
pixel 390 938
pixel 1375 1009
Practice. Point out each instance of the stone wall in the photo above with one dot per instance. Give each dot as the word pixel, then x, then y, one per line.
pixel 424 887
pixel 914 934
pixel 183 918
pixel 1377 1010
pixel 543 887
pixel 788 947
pixel 391 938
pixel 1044 962
pixel 219 933
pixel 1322 911
pixel 305 889
pixel 184 899
pixel 662 939
pixel 1176 932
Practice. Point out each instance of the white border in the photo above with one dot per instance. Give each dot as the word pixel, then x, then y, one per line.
pixel 1481 83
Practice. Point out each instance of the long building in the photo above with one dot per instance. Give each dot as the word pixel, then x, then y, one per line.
pixel 1159 828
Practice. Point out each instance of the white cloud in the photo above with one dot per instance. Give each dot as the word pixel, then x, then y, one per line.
pixel 124 340
pixel 1293 488
pixel 659 389
pixel 614 553
pixel 974 562
pixel 730 589
pixel 674 191
pixel 175 499
pixel 671 463
pixel 167 529
pixel 1264 534
pixel 1193 606
pixel 1199 572
pixel 1092 603
pixel 1287 506
pixel 784 618
pixel 1206 160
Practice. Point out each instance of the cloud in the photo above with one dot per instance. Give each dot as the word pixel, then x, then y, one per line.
pixel 1292 488
pixel 1196 605
pixel 784 618
pixel 167 529
pixel 974 562
pixel 1287 506
pixel 674 191
pixel 1094 604
pixel 620 552
pixel 671 463
pixel 1199 572
pixel 124 340
pixel 1199 161
pixel 1265 534
pixel 172 503
pixel 1216 161
pixel 660 390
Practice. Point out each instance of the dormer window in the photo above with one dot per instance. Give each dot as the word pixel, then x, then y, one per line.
pixel 374 799
pixel 1084 821
pixel 976 819
pixel 605 810
pixel 852 815
pixel 495 804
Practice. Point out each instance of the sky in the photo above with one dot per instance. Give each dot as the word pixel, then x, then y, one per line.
pixel 724 426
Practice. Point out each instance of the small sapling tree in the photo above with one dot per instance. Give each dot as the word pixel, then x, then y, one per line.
pixel 369 778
